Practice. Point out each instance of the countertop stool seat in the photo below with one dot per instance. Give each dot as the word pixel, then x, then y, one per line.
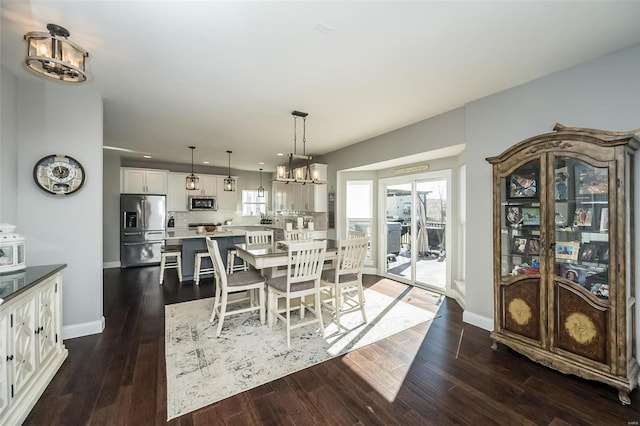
pixel 231 261
pixel 170 258
pixel 198 270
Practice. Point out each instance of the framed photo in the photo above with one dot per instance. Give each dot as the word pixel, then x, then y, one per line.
pixel 519 245
pixel 589 252
pixel 591 180
pixel 523 185
pixel 531 216
pixel 562 216
pixel 583 216
pixel 561 178
pixel 567 250
pixel 514 215
pixel 604 219
pixel 533 246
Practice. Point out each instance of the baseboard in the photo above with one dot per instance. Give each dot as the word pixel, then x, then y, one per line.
pixel 107 265
pixel 477 320
pixel 370 271
pixel 457 296
pixel 84 329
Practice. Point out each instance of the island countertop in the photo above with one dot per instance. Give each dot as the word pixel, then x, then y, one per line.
pixel 221 232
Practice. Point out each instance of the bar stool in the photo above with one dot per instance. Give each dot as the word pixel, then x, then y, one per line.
pixel 231 262
pixel 171 258
pixel 198 271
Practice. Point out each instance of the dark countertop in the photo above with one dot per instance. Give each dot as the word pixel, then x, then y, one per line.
pixel 15 283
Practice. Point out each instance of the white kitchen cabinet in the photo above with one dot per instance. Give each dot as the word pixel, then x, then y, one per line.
pixel 31 348
pixel 227 200
pixel 176 192
pixel 143 181
pixel 318 193
pixel 208 185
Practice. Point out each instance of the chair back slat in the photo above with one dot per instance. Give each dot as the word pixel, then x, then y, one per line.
pixel 295 235
pixel 356 235
pixel 306 261
pixel 259 237
pixel 351 255
pixel 218 266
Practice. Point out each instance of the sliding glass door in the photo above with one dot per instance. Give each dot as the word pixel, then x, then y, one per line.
pixel 415 229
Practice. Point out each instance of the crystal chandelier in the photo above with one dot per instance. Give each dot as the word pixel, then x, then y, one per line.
pixel 53 55
pixel 301 175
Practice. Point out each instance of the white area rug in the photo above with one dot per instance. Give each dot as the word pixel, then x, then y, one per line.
pixel 202 370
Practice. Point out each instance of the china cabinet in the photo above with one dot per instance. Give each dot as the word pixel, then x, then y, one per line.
pixel 564 278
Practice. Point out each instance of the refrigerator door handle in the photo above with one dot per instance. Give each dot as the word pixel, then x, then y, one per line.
pixel 132 233
pixel 137 244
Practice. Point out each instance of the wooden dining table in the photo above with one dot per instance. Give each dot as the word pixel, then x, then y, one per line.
pixel 273 258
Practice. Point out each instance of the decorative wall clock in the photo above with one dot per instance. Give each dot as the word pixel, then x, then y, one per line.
pixel 59 174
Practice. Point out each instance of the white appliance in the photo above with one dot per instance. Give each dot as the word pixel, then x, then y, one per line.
pixel 11 249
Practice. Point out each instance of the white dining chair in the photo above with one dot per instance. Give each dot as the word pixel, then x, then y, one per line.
pixel 303 279
pixel 259 237
pixel 356 235
pixel 233 283
pixel 295 235
pixel 345 279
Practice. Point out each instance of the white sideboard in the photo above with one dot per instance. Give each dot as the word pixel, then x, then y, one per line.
pixel 31 348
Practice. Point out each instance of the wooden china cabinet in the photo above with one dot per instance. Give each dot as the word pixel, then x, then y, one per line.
pixel 564 278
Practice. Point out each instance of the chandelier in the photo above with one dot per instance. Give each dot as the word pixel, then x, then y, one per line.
pixel 301 175
pixel 53 55
pixel 229 182
pixel 193 182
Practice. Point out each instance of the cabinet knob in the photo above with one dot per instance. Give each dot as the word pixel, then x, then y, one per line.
pixel 9 357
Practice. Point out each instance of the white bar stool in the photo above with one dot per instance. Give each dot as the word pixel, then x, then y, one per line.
pixel 231 262
pixel 171 258
pixel 198 270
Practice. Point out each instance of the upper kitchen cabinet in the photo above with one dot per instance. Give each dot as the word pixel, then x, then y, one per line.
pixel 143 181
pixel 176 192
pixel 208 185
pixel 227 200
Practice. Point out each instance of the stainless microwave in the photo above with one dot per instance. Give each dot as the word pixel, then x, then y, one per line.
pixel 200 202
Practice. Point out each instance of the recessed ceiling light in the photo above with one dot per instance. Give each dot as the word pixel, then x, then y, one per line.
pixel 324 28
pixel 205 162
pixel 280 154
pixel 146 156
pixel 261 163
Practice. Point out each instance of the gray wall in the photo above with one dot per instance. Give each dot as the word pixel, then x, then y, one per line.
pixel 111 209
pixel 66 119
pixel 8 147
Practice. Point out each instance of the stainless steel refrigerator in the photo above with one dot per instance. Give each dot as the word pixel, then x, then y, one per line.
pixel 142 229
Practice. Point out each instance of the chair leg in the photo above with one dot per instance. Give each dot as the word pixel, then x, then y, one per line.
pixel 288 324
pixel 338 306
pixel 223 310
pixel 262 304
pixel 216 301
pixel 270 297
pixel 318 312
pixel 196 271
pixel 361 297
pixel 162 263
pixel 231 259
pixel 179 262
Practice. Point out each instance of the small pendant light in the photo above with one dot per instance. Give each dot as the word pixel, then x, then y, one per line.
pixel 229 182
pixel 193 182
pixel 261 189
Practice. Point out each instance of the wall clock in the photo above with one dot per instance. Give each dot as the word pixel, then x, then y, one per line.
pixel 59 174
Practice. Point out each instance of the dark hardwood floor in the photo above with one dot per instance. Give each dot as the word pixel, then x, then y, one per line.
pixel 438 373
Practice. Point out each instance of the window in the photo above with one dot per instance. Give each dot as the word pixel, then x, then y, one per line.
pixel 252 205
pixel 360 209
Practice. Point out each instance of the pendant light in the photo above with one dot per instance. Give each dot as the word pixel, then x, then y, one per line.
pixel 229 182
pixel 261 189
pixel 193 182
pixel 53 55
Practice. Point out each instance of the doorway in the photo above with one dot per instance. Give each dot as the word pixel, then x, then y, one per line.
pixel 415 233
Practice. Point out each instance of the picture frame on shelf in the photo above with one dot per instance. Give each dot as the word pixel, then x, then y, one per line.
pixel 562 217
pixel 514 215
pixel 561 179
pixel 523 185
pixel 533 246
pixel 519 245
pixel 583 216
pixel 531 216
pixel 588 252
pixel 567 250
pixel 604 219
pixel 591 180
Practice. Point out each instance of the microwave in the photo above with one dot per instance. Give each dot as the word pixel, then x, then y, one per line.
pixel 199 202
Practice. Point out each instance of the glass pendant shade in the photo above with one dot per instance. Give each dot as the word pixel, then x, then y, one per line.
pixel 260 188
pixel 229 182
pixel 192 181
pixel 52 55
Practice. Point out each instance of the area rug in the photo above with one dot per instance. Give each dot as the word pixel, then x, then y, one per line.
pixel 202 370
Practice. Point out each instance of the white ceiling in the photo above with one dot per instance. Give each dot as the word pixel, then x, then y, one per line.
pixel 226 75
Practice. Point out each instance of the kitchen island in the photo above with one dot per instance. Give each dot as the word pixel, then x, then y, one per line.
pixel 193 241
